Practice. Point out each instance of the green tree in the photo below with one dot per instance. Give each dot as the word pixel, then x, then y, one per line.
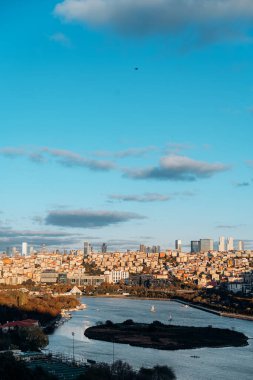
pixel 156 373
pixel 100 371
pixel 32 339
pixel 122 371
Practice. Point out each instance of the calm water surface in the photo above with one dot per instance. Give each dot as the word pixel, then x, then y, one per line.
pixel 213 363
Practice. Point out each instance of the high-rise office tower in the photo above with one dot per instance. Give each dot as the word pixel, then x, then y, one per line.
pixel 156 249
pixel 104 248
pixel 86 248
pixel 221 245
pixel 206 245
pixel 24 249
pixel 240 245
pixel 142 248
pixel 178 245
pixel 195 247
pixel 230 244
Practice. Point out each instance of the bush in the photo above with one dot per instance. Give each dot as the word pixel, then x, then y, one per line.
pixel 128 322
pixel 156 373
pixel 97 372
pixel 157 323
pixel 109 323
pixel 123 371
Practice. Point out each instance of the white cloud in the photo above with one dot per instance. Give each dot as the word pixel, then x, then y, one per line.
pixel 148 197
pixel 60 38
pixel 214 19
pixel 63 157
pixel 177 168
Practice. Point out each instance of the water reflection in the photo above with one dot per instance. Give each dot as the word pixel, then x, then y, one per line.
pixel 199 364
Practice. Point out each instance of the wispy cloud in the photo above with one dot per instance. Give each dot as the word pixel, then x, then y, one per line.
pixel 12 152
pixel 89 219
pixel 63 157
pixel 145 198
pixel 229 226
pixel 149 197
pixel 177 168
pixel 71 159
pixel 242 184
pixel 130 152
pixel 135 152
pixel 209 21
pixel 61 39
pixel 177 148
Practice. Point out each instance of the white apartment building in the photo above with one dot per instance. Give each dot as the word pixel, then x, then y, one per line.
pixel 230 244
pixel 115 276
pixel 221 245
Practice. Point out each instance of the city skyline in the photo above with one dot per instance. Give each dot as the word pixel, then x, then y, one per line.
pixel 125 132
pixel 222 244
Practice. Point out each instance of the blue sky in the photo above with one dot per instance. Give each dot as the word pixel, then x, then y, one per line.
pixel 125 122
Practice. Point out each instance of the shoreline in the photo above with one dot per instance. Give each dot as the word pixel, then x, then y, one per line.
pixel 224 314
pixel 218 313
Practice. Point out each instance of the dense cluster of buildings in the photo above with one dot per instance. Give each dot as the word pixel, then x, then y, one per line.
pixel 203 266
pixel 51 268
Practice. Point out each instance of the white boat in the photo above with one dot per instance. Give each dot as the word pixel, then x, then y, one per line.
pixel 82 306
pixel 170 317
pixel 152 309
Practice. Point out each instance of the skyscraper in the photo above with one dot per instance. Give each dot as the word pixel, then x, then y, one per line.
pixel 240 245
pixel 221 245
pixel 178 245
pixel 206 245
pixel 86 248
pixel 142 248
pixel 24 249
pixel 195 246
pixel 230 244
pixel 156 249
pixel 104 248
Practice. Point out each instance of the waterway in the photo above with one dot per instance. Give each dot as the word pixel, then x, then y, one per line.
pixel 230 363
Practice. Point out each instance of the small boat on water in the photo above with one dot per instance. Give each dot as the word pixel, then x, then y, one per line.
pixel 170 318
pixel 81 307
pixel 152 309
